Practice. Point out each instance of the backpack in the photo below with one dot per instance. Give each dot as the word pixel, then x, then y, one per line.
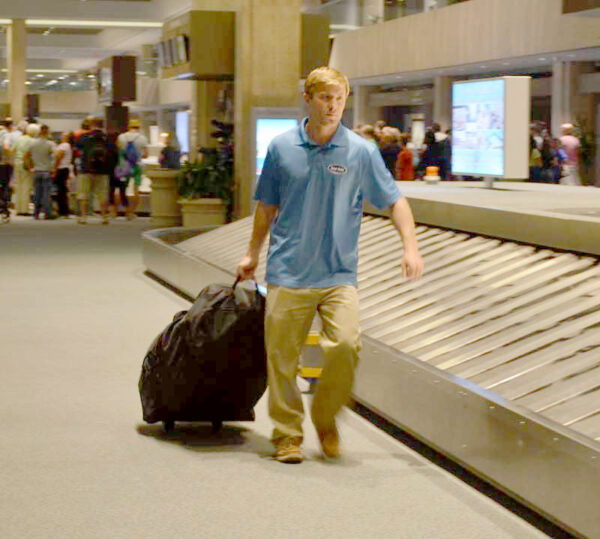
pixel 131 154
pixel 95 152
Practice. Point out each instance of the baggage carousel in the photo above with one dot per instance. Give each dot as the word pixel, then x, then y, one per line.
pixel 493 357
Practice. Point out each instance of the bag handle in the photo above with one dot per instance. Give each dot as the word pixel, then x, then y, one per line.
pixel 256 285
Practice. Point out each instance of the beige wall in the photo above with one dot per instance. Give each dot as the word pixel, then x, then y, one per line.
pixel 465 33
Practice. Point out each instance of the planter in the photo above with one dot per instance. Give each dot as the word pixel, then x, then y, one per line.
pixel 200 212
pixel 164 209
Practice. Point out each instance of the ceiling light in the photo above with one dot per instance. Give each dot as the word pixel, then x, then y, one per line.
pixel 92 23
pixel 5 21
pixel 343 27
pixel 27 82
pixel 4 70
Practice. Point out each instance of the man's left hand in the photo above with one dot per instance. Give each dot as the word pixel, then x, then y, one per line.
pixel 412 265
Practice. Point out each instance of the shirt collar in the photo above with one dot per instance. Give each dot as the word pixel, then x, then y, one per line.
pixel 338 139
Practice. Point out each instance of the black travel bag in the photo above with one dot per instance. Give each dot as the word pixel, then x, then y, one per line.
pixel 209 363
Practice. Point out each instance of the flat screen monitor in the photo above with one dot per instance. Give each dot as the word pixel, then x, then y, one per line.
pixel 182 130
pixel 268 123
pixel 182 45
pixel 490 126
pixel 266 130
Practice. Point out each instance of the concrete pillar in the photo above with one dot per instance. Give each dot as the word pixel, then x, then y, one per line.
pixel 561 95
pixel 265 29
pixel 373 11
pixel 360 107
pixel 16 60
pixel 442 101
pixel 204 110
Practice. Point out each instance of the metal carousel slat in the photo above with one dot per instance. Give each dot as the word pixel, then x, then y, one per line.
pixel 514 367
pixel 527 345
pixel 447 313
pixel 559 390
pixel 493 305
pixel 380 292
pixel 504 331
pixel 589 427
pixel 576 409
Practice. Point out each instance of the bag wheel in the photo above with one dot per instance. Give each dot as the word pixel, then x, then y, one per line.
pixel 216 425
pixel 168 425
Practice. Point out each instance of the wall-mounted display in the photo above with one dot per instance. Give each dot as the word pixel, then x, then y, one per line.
pixel 174 51
pixel 490 127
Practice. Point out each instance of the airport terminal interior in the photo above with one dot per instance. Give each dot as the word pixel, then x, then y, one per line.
pixel 475 409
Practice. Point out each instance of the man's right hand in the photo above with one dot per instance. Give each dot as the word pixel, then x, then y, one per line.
pixel 246 267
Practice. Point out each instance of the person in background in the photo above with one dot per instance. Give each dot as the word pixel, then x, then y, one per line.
pixel 535 161
pixel 115 182
pixel 23 179
pixel 93 179
pixel 133 147
pixel 40 159
pixel 405 170
pixel 560 158
pixel 368 133
pixel 390 147
pixel 5 168
pixel 547 155
pixel 572 146
pixel 62 164
pixel 170 155
pixel 432 156
pixel 313 255
pixel 378 131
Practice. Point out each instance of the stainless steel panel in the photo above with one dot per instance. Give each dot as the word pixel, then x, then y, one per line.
pixel 550 468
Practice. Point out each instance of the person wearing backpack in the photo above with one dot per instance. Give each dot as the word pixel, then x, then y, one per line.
pixel 133 147
pixel 93 178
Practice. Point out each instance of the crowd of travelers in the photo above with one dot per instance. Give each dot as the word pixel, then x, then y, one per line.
pixel 552 160
pixel 72 173
pixel 406 160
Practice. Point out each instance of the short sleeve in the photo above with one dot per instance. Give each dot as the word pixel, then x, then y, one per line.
pixel 267 190
pixel 378 185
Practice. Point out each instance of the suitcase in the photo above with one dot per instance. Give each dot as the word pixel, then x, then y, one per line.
pixel 209 363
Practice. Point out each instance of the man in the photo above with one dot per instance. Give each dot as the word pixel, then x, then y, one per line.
pixel 572 147
pixel 40 158
pixel 23 179
pixel 5 168
pixel 310 196
pixel 93 179
pixel 133 147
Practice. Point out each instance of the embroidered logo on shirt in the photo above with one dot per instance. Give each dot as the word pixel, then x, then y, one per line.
pixel 337 169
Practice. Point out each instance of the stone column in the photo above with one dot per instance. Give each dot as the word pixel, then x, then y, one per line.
pixel 16 60
pixel 442 101
pixel 561 95
pixel 265 29
pixel 204 110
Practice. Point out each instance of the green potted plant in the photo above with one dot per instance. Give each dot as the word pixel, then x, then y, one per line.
pixel 205 185
pixel 586 135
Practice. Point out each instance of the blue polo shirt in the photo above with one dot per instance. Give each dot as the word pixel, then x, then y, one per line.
pixel 320 192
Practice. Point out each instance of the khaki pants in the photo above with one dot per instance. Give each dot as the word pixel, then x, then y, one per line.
pixel 289 315
pixel 23 180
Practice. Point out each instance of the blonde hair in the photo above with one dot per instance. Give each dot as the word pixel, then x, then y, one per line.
pixel 390 135
pixel 325 75
pixel 33 130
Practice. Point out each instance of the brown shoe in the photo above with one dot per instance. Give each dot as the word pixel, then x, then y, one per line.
pixel 288 450
pixel 330 442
